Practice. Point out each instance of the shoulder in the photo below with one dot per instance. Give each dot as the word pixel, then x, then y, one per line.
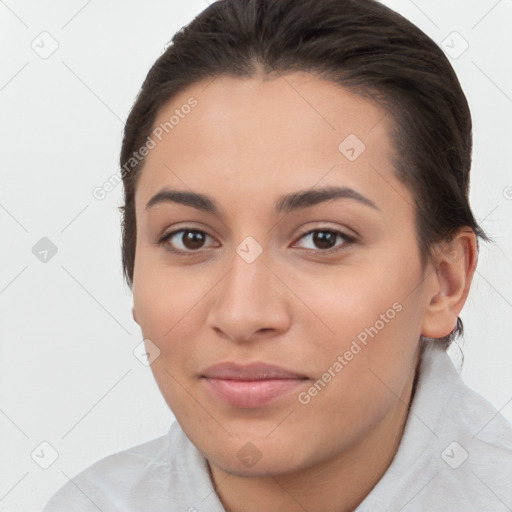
pixel 478 456
pixel 452 407
pixel 107 484
pixel 455 452
pixel 165 474
pixel 468 416
pixel 469 464
pixel 470 455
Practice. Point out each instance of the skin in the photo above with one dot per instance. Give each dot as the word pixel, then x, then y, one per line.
pixel 247 142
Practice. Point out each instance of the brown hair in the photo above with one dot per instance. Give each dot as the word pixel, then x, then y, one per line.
pixel 361 45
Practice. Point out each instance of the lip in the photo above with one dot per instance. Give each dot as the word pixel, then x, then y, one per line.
pixel 250 385
pixel 251 371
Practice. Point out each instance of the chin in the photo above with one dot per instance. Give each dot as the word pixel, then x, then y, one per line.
pixel 261 468
pixel 259 459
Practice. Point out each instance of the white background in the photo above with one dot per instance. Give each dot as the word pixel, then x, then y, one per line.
pixel 68 375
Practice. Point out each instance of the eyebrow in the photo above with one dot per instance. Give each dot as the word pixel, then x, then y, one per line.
pixel 285 203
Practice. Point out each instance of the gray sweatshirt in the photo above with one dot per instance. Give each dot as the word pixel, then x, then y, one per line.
pixel 455 455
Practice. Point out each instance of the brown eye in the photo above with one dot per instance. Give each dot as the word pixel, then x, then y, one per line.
pixel 184 240
pixel 192 239
pixel 325 240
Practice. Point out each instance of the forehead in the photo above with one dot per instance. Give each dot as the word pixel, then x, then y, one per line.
pixel 255 136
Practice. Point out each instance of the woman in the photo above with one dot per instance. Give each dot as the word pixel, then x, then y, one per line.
pixel 299 242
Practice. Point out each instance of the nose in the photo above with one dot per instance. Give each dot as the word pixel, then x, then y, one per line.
pixel 249 302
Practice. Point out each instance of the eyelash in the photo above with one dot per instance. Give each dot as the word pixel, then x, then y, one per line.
pixel 347 239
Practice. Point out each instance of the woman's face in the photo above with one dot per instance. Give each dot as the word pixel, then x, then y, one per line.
pixel 294 247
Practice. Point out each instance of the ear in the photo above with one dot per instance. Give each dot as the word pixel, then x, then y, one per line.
pixel 454 266
pixel 134 315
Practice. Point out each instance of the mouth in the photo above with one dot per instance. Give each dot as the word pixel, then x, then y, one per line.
pixel 250 386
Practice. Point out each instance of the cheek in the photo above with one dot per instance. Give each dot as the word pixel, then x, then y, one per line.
pixel 344 301
pixel 165 300
pixel 360 373
pixel 167 309
pixel 366 326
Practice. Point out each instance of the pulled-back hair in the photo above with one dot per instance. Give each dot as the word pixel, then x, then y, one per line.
pixel 361 45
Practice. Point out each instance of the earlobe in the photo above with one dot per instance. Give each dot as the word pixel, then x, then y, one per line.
pixel 455 264
pixel 134 315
